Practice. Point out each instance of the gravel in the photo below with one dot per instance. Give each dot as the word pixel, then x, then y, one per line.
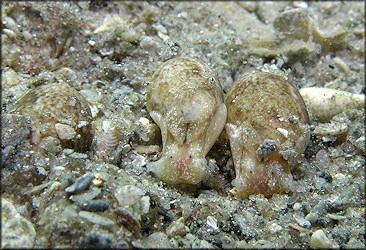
pixel 108 52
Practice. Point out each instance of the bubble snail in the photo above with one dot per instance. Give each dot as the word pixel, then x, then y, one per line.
pixel 264 117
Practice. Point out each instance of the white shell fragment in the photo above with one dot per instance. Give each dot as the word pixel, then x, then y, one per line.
pixel 212 222
pixel 324 103
pixel 320 240
pixel 283 131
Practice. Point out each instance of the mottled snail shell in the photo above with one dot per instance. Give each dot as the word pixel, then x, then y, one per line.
pixel 58 110
pixel 267 126
pixel 185 99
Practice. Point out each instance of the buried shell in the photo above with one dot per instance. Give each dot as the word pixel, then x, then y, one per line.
pixel 268 130
pixel 185 99
pixel 324 103
pixel 57 110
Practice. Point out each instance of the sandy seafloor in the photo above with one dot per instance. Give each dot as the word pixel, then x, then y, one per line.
pixel 108 52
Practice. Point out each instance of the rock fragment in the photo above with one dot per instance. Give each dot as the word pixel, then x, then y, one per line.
pixel 80 184
pixel 96 219
pixel 320 240
pixel 16 231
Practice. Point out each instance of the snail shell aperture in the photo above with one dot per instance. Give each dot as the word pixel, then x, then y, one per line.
pixel 186 101
pixel 267 125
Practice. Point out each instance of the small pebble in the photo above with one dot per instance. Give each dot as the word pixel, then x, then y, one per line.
pixel 86 196
pixel 80 184
pixel 319 182
pixel 98 182
pixel 300 4
pixel 341 64
pixel 148 43
pixel 91 42
pixel 176 228
pixel 312 217
pixel 283 131
pixel 326 175
pixel 9 33
pixel 274 228
pixel 41 171
pixel 320 208
pixel 128 195
pixel 78 156
pixel 212 222
pixel 145 204
pixel 64 131
pixel 302 222
pixel 15 129
pixel 96 219
pixel 158 240
pixel 66 181
pixel 319 240
pixel 336 217
pixel 150 149
pixel 297 206
pixel 50 144
pixel 139 161
pixel 94 206
pixel 10 23
pixel 68 151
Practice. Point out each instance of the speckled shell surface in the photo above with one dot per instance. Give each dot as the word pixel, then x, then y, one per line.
pixel 186 100
pixel 184 84
pixel 267 128
pixel 54 108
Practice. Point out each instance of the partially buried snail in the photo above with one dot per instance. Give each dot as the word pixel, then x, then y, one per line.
pixel 267 125
pixel 185 99
pixel 57 110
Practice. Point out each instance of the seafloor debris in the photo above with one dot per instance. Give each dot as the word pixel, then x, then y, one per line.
pixel 324 103
pixel 16 231
pixel 80 184
pixel 109 56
